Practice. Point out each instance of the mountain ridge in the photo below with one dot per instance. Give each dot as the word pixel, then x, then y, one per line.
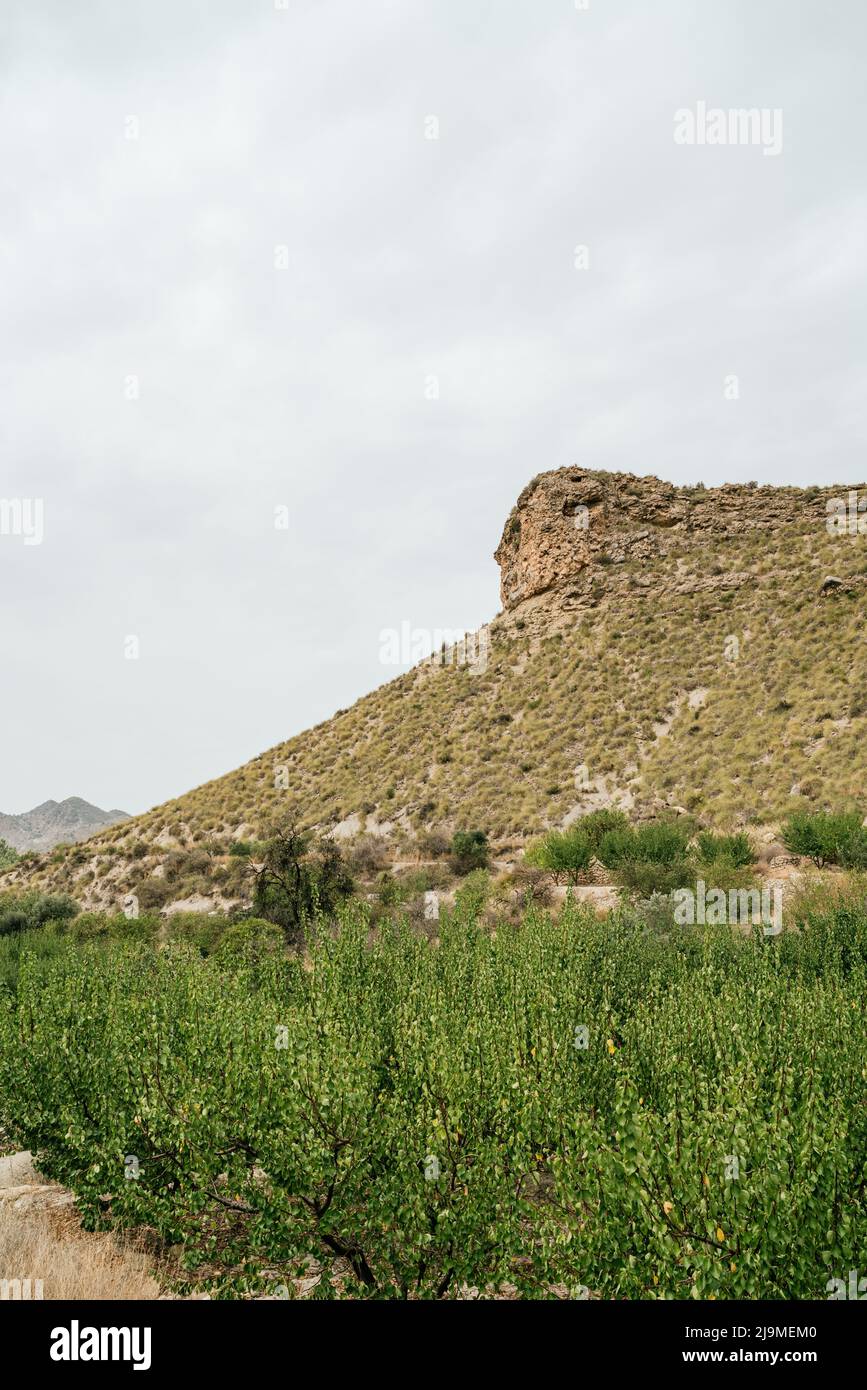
pixel 54 822
pixel 660 648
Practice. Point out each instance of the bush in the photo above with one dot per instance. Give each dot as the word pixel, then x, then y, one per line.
pixel 735 850
pixel 299 879
pixel 367 855
pixel 826 837
pixel 249 943
pixel 643 878
pixel 647 859
pixel 472 896
pixel 29 911
pixel 597 824
pixel 469 851
pixel 434 844
pixel 8 856
pixel 153 893
pixel 564 853
pixel 656 842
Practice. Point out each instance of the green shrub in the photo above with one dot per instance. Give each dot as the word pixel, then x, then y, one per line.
pixel 649 858
pixel 469 851
pixel 472 896
pixel 735 850
pixel 566 854
pixel 655 842
pixel 598 824
pixel 27 911
pixel 249 943
pixel 826 837
pixel 8 856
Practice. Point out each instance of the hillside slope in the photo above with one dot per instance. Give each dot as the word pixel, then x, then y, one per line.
pixel 658 647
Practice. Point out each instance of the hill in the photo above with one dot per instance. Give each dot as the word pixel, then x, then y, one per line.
pixel 56 822
pixel 658 647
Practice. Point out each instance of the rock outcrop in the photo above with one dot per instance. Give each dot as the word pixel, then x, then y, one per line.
pixel 571 527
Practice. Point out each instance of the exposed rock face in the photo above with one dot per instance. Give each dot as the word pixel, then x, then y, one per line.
pixel 571 526
pixel 56 822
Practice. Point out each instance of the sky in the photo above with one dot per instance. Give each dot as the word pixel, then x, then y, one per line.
pixel 298 296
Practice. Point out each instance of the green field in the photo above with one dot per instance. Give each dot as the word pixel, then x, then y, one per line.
pixel 566 1107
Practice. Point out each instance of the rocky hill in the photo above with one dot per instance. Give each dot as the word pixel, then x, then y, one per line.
pixel 692 648
pixel 56 822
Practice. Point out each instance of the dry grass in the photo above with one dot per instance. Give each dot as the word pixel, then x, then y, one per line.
pixel 72 1264
pixel 780 727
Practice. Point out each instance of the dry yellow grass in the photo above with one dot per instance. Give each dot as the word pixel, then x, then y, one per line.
pixel 49 1246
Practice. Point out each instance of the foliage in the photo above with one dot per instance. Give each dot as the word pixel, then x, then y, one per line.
pixel 646 1114
pixel 827 837
pixel 28 910
pixel 8 856
pixel 469 851
pixel 249 943
pixel 735 850
pixel 564 853
pixel 299 878
pixel 648 858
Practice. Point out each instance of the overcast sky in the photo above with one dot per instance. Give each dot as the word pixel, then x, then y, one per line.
pixel 234 261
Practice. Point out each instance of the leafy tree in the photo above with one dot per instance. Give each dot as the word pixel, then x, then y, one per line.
pixel 564 853
pixel 656 842
pixel 470 851
pixel 598 824
pixel 8 856
pixel 299 878
pixel 647 859
pixel 826 837
pixel 28 911
pixel 249 943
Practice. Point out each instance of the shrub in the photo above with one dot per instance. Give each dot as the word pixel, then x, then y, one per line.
pixel 826 837
pixel 434 844
pixel 299 878
pixel 656 842
pixel 29 911
pixel 647 859
pixel 564 853
pixel 472 896
pixel 599 823
pixel 733 849
pixel 154 892
pixel 469 851
pixel 8 856
pixel 249 943
pixel 368 854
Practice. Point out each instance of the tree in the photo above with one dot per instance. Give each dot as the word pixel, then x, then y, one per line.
pixel 299 878
pixel 827 837
pixel 469 851
pixel 8 856
pixel 564 853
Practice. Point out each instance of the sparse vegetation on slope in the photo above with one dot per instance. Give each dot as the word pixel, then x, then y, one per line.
pixel 704 665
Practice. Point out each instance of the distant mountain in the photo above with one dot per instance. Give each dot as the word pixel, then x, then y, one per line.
pixel 55 823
